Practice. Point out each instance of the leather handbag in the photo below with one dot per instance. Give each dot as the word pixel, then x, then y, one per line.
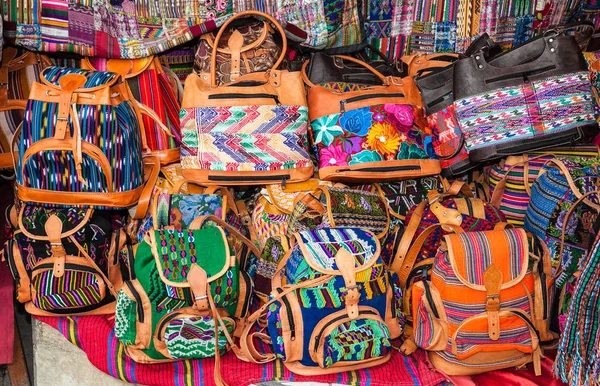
pixel 421 64
pixel 543 100
pixel 249 132
pixel 373 134
pixel 436 90
pixel 150 86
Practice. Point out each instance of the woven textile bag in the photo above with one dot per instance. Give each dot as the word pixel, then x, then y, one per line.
pixel 402 196
pixel 65 261
pixel 506 180
pixel 336 310
pixel 151 87
pixel 506 109
pixel 18 71
pixel 562 215
pixel 486 305
pixel 80 142
pixel 249 132
pixel 189 290
pixel 370 134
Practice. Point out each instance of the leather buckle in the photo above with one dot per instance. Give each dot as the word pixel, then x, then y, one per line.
pixel 202 297
pixel 493 303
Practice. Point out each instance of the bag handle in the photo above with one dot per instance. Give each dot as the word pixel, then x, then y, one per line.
pixel 378 74
pixel 256 14
pixel 561 166
pixel 6 159
pixel 566 221
pixel 199 221
pixel 144 202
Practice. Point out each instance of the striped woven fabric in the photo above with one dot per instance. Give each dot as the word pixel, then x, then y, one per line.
pixel 550 105
pixel 72 290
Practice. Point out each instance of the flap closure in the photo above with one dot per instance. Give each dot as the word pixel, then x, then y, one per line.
pixel 33 221
pixel 177 251
pixel 471 254
pixel 319 247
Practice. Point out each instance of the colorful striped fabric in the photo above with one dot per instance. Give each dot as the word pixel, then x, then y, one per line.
pixel 75 289
pixel 95 336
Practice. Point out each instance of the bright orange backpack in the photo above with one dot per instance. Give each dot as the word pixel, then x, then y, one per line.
pixel 486 306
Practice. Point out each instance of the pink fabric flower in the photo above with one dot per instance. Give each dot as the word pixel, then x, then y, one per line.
pixel 403 113
pixel 333 155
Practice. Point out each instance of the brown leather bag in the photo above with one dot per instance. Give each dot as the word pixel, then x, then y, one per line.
pixel 252 131
pixel 371 134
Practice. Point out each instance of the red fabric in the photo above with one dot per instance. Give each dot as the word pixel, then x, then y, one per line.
pixel 95 336
pixel 7 321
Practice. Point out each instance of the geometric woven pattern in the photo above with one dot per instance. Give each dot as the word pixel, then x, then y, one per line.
pixel 244 138
pixel 550 105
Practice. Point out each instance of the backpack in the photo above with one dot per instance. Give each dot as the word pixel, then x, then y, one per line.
pixel 336 311
pixel 181 298
pixel 151 87
pixel 64 261
pixel 486 305
pixel 80 142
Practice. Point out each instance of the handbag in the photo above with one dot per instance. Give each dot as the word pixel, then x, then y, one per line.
pixel 505 108
pixel 485 306
pixel 375 134
pixel 249 132
pixel 80 143
pixel 65 261
pixel 421 64
pixel 506 180
pixel 436 90
pixel 150 86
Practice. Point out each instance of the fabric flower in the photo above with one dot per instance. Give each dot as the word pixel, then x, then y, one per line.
pixel 365 156
pixel 357 121
pixel 325 129
pixel 411 152
pixel 352 145
pixel 404 114
pixel 333 156
pixel 384 138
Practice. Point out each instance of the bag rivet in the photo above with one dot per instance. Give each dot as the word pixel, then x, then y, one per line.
pixel 477 57
pixel 551 40
pixel 480 66
pixel 552 49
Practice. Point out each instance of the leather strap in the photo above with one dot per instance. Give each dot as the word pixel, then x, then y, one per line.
pixel 561 166
pixel 378 74
pixel 258 15
pixel 242 211
pixel 53 229
pixel 346 265
pixel 198 281
pixel 153 164
pixel 235 43
pixel 403 266
pixel 108 282
pixel 68 84
pixel 492 279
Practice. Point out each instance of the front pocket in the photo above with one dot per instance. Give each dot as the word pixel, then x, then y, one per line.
pixel 185 335
pixel 284 319
pixel 133 317
pixel 516 333
pixel 80 287
pixel 338 340
pixel 430 326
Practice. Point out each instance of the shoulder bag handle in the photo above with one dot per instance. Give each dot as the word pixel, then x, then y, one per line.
pixel 565 172
pixel 144 202
pixel 378 74
pixel 256 14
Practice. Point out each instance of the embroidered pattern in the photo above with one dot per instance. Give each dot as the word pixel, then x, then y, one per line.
pixel 73 289
pixel 194 337
pixel 245 138
pixel 125 328
pixel 551 105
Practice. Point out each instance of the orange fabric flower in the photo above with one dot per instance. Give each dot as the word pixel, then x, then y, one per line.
pixel 384 138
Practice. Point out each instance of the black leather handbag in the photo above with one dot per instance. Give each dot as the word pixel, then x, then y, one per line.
pixel 436 92
pixel 534 96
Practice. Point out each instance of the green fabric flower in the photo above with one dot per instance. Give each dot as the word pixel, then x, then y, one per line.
pixel 365 156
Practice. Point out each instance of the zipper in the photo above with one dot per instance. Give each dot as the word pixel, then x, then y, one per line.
pixel 117 250
pixel 430 299
pixel 282 177
pixel 383 169
pixel 138 301
pixel 249 290
pixel 166 320
pixel 439 100
pixel 130 261
pixel 370 96
pixel 11 262
pixel 524 74
pixel 246 96
pixel 345 316
pixel 290 315
pixel 553 140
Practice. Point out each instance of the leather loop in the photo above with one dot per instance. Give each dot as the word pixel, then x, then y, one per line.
pixel 68 84
pixel 198 281
pixel 346 265
pixel 53 229
pixel 492 279
pixel 235 43
pixel 256 14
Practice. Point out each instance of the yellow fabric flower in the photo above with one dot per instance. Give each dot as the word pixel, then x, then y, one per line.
pixel 384 138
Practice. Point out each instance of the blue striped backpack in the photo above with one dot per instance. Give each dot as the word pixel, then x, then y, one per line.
pixel 79 144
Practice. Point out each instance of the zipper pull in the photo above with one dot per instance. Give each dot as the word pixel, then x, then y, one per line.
pixel 525 78
pixel 284 182
pixel 342 106
pixel 277 100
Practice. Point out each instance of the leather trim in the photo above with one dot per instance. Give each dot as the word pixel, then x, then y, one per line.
pixel 112 199
pixel 201 176
pixel 353 175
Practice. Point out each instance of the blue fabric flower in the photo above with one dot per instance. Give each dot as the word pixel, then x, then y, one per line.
pixel 365 156
pixel 325 129
pixel 357 122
